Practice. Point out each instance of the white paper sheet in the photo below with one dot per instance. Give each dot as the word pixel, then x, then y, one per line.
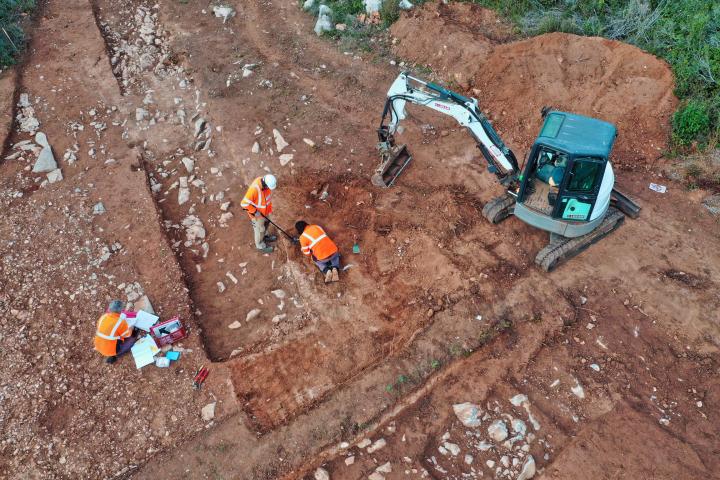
pixel 144 351
pixel 145 320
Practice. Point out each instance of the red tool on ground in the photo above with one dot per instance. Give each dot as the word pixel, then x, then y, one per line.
pixel 200 377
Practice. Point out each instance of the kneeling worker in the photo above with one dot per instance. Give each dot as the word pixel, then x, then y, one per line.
pixel 113 337
pixel 257 203
pixel 315 242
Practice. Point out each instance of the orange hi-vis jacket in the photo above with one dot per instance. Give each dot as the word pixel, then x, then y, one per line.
pixel 257 199
pixel 314 240
pixel 110 329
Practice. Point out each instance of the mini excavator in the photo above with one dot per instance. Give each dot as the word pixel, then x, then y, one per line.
pixel 565 188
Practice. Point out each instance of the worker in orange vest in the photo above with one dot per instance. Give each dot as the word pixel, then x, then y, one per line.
pixel 114 337
pixel 315 242
pixel 257 203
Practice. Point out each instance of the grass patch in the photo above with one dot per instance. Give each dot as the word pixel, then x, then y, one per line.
pixel 685 33
pixel 12 37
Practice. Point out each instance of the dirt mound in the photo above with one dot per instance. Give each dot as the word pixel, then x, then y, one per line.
pixel 468 35
pixel 513 81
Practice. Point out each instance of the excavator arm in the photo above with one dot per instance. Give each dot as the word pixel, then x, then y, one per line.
pixel 406 88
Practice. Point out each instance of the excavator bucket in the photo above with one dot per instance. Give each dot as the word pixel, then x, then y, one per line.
pixel 393 162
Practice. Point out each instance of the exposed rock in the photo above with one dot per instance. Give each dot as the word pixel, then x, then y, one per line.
pixel 285 158
pixel 528 469
pixel 376 476
pixel 279 293
pixel 183 195
pixel 194 228
pixel 350 460
pixel 384 468
pixel 45 162
pixel 309 142
pixel 498 431
pixel 224 12
pixel 98 209
pixel 224 218
pixel 518 399
pixel 252 314
pixel 468 413
pixel 221 287
pixel 372 6
pixel 453 448
pixel 55 176
pixel 712 204
pixel 234 325
pixel 405 5
pixel 189 164
pixel 364 443
pixel 255 148
pixel 468 459
pixel 578 390
pixel 308 4
pixel 380 443
pixel 208 411
pixel 141 114
pixel 199 127
pixel 280 142
pixel 518 426
pixel 321 474
pixel 324 22
pixel 144 305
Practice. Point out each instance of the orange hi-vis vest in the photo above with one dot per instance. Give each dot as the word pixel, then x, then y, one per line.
pixel 257 199
pixel 110 329
pixel 314 240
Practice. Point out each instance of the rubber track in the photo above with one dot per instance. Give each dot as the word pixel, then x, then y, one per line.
pixel 557 252
pixel 498 209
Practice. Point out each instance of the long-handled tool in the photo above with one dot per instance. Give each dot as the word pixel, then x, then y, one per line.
pixel 292 239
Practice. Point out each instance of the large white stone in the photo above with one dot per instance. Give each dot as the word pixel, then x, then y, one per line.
pixel 468 413
pixel 208 411
pixel 372 6
pixel 280 142
pixel 45 162
pixel 321 474
pixel 498 431
pixel 528 469
pixel 55 176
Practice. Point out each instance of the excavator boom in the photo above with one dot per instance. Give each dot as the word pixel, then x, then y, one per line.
pixel 406 88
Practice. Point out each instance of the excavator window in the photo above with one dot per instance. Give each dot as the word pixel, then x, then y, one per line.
pixel 584 175
pixel 551 167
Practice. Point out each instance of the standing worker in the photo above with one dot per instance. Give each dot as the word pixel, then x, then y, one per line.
pixel 315 242
pixel 257 203
pixel 113 337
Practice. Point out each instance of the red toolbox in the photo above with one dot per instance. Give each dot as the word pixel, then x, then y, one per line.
pixel 169 331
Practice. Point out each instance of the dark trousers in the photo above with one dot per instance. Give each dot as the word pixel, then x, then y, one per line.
pixel 124 346
pixel 333 261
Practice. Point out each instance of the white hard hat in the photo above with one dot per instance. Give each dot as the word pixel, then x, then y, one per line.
pixel 270 181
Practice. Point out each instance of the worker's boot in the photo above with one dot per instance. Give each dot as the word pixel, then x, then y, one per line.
pixel 335 275
pixel 112 359
pixel 328 276
pixel 270 238
pixel 266 250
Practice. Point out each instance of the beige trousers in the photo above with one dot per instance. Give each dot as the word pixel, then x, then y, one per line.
pixel 260 230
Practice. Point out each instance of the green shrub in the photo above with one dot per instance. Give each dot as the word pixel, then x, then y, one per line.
pixel 12 38
pixel 390 12
pixel 691 122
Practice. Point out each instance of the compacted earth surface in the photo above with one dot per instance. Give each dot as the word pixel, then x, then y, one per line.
pixel 442 353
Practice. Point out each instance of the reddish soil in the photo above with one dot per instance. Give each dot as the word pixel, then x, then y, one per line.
pixel 438 308
pixel 513 81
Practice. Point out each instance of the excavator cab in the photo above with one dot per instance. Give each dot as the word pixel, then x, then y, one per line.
pixel 567 181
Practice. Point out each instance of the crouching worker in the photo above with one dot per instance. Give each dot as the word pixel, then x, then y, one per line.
pixel 315 242
pixel 114 336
